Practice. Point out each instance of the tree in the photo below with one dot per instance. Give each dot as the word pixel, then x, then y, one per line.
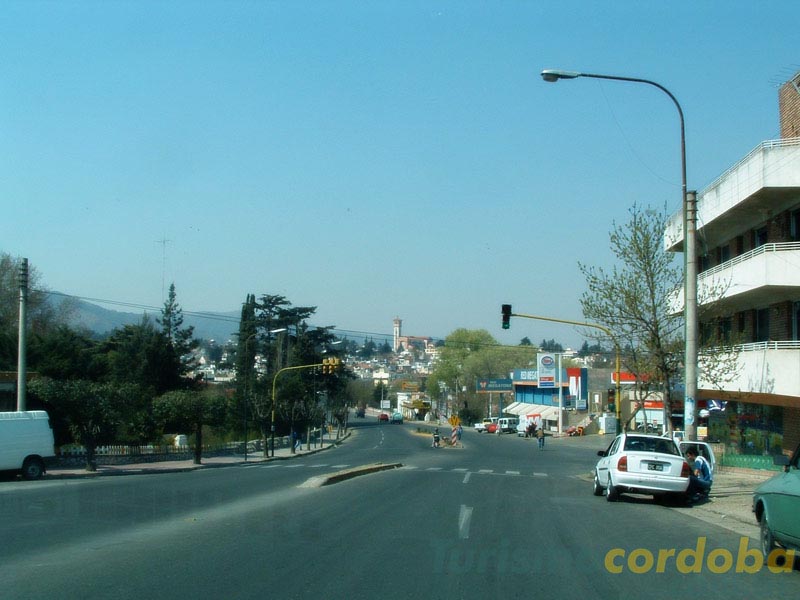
pixel 142 355
pixel 469 355
pixel 551 346
pixel 633 301
pixel 191 410
pixel 43 315
pixel 65 354
pixel 180 338
pixel 92 411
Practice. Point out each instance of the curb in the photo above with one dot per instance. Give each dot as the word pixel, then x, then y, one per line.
pixel 339 476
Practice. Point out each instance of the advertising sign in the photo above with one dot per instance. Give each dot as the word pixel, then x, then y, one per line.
pixel 485 386
pixel 547 370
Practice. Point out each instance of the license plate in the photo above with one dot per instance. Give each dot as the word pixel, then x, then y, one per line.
pixel 655 467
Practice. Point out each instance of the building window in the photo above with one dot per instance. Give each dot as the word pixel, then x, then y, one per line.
pixel 762 325
pixel 760 237
pixel 794 225
pixel 796 321
pixel 742 318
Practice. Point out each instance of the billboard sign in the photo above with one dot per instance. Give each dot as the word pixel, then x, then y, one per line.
pixel 547 370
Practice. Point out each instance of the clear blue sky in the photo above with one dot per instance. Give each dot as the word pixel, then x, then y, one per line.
pixel 375 159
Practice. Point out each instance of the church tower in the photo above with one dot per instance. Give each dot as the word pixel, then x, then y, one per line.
pixel 398 324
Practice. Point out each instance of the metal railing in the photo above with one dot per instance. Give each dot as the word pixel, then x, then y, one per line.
pixel 766 145
pixel 763 249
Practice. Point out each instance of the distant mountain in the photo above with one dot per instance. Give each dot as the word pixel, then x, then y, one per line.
pixel 101 321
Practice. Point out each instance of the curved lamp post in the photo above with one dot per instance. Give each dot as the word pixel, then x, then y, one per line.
pixel 689 252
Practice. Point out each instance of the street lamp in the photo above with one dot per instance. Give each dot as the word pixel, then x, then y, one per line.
pixel 689 254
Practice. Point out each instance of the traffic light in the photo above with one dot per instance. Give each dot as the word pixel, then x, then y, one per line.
pixel 506 316
pixel 330 365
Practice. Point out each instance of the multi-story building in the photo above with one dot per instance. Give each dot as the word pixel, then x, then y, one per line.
pixel 748 243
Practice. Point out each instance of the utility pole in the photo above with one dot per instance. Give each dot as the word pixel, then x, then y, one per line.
pixel 22 367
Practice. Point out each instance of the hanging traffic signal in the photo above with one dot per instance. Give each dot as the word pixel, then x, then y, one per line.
pixel 506 309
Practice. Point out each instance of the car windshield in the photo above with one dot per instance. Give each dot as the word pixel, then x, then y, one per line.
pixel 649 444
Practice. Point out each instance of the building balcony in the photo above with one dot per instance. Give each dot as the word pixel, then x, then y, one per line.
pixel 763 369
pixel 764 276
pixel 764 183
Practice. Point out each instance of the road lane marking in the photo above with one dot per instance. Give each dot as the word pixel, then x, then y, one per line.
pixel 512 472
pixel 540 474
pixel 318 466
pixel 464 519
pixel 461 470
pixel 484 471
pixel 434 469
pixel 466 477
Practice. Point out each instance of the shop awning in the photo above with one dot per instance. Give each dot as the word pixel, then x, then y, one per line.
pixel 548 413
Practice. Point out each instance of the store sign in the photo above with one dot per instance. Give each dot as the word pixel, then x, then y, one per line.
pixel 547 370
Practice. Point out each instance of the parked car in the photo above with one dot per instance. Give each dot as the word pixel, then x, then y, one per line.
pixel 397 418
pixel 481 426
pixel 641 464
pixel 776 504
pixel 383 417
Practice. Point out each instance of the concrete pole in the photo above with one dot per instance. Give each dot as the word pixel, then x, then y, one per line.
pixel 22 367
pixel 690 316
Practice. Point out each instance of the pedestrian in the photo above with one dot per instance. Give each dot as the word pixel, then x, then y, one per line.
pixel 459 433
pixel 700 478
pixel 540 436
pixel 298 442
pixel 435 438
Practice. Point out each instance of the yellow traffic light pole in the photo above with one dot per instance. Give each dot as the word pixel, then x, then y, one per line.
pixel 618 400
pixel 329 365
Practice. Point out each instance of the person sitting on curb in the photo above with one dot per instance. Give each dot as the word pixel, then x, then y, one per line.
pixel 700 478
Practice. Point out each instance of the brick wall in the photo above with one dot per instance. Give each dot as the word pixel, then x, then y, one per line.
pixel 791 429
pixel 789 107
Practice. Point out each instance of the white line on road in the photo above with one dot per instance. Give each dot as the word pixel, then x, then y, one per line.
pixel 484 471
pixel 318 466
pixel 466 477
pixel 512 472
pixel 464 518
pixel 434 469
pixel 540 474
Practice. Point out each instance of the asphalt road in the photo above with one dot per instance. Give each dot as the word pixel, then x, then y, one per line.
pixel 496 518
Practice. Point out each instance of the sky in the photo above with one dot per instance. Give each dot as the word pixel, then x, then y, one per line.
pixel 373 159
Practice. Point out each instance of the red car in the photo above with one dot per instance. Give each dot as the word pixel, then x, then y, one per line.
pixel 383 417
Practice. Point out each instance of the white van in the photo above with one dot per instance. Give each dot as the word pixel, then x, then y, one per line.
pixel 507 425
pixel 26 439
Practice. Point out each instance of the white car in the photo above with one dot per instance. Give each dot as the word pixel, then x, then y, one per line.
pixel 482 425
pixel 641 464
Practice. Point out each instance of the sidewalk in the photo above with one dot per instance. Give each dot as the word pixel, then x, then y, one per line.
pixel 176 466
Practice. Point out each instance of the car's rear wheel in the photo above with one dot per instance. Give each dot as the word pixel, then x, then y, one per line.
pixel 612 493
pixel 597 489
